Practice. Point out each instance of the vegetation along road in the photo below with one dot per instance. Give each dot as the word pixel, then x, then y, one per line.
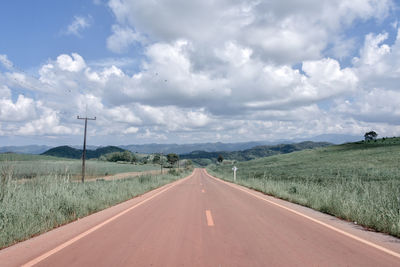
pixel 204 221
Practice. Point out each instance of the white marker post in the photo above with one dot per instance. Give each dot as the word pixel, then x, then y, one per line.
pixel 234 169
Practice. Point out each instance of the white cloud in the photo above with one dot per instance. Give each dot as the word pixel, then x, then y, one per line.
pixel 373 49
pixel 234 70
pixel 329 78
pixel 285 32
pixel 123 114
pixel 122 38
pixel 379 63
pixel 149 135
pixel 378 70
pixel 78 24
pixel 6 62
pixel 5 92
pixel 131 130
pixel 118 62
pixel 378 105
pixel 23 109
pixel 48 123
pixel 74 64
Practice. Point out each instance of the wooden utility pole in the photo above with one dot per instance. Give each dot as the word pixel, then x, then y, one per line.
pixel 161 161
pixel 84 145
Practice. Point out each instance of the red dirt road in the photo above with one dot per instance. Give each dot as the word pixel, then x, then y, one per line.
pixel 202 221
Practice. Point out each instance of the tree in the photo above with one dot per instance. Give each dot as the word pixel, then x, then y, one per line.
pixel 156 159
pixel 119 156
pixel 188 164
pixel 126 156
pixel 220 158
pixel 370 136
pixel 134 159
pixel 172 158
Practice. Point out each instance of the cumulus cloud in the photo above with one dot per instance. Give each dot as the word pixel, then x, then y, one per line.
pixel 282 31
pixel 378 69
pixel 378 64
pixel 27 116
pixel 74 64
pixel 377 105
pixel 21 110
pixel 47 123
pixel 218 70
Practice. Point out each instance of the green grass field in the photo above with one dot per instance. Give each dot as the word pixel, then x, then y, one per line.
pixel 31 166
pixel 359 182
pixel 38 193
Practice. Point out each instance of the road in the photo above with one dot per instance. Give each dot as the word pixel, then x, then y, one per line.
pixel 202 221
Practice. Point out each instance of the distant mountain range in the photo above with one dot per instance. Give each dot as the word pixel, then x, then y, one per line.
pixel 32 149
pixel 73 153
pixel 199 157
pixel 204 158
pixel 187 148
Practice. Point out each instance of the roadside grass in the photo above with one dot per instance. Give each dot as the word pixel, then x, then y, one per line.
pixel 43 203
pixel 31 166
pixel 358 182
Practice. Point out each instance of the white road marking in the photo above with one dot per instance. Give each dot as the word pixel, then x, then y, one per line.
pixel 210 221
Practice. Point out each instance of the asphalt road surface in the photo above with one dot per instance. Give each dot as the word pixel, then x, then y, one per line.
pixel 202 221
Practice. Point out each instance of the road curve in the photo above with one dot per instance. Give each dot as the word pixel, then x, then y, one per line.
pixel 202 221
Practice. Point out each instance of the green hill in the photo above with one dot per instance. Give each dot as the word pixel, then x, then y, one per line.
pixel 355 181
pixel 73 153
pixel 204 158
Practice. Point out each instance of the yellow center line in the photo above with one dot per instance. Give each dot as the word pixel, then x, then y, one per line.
pixel 210 221
pixel 91 230
pixel 366 242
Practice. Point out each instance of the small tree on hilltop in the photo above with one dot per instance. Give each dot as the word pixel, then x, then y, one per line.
pixel 369 136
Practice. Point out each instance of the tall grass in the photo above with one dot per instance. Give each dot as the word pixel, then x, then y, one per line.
pixel 356 182
pixel 45 202
pixel 31 166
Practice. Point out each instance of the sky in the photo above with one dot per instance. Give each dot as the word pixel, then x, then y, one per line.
pixel 178 71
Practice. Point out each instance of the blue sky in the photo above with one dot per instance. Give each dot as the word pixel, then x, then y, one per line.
pixel 35 30
pixel 176 71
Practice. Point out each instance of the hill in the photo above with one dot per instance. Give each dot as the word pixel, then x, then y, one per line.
pixel 73 153
pixel 358 181
pixel 204 158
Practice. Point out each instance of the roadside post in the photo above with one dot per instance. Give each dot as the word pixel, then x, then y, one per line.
pixel 234 169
